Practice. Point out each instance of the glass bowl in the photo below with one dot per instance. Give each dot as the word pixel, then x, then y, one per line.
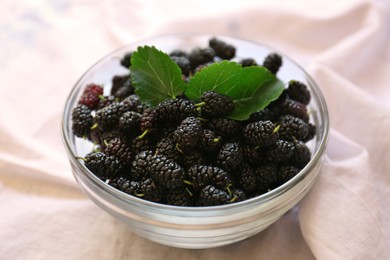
pixel 196 227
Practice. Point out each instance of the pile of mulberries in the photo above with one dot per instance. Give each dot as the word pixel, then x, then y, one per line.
pixel 192 154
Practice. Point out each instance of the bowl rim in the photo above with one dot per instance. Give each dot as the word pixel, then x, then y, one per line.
pixel 258 200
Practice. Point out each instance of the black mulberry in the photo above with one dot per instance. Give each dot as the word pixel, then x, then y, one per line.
pixel 134 104
pixel 174 111
pixel 225 127
pixel 121 151
pixel 200 56
pixel 107 118
pixel 126 60
pixel 292 128
pixel 209 141
pixel 286 173
pixel 216 105
pixel 179 197
pixel 301 155
pixel 188 133
pixel 247 62
pixel 267 177
pixel 230 156
pixel 222 49
pixel 202 175
pixel 262 133
pixel 117 82
pixel 273 62
pixel 129 123
pixel 212 196
pixel 192 157
pixel 82 121
pixel 166 172
pixel 247 178
pixel 183 63
pixel 294 108
pixel 281 152
pixel 298 91
pixel 167 147
pixel 102 165
pixel 140 165
pixel 126 185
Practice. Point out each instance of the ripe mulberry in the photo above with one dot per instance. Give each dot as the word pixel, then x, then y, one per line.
pixel 126 60
pixel 82 121
pixel 117 82
pixel 292 128
pixel 230 156
pixel 294 108
pixel 200 56
pixel 216 105
pixel 262 133
pixel 106 101
pixel 179 197
pixel 134 104
pixel 129 123
pixel 254 155
pixel 225 127
pixel 281 152
pixel 209 141
pixel 167 147
pixel 107 118
pixel 188 133
pixel 286 173
pixel 140 165
pixel 166 172
pixel 125 90
pixel 126 185
pixel 273 62
pixel 301 155
pixel 102 165
pixel 298 91
pixel 202 175
pixel 183 63
pixel 247 62
pixel 121 151
pixel 212 196
pixel 173 111
pixel 247 178
pixel 193 157
pixel 222 49
pixel 267 177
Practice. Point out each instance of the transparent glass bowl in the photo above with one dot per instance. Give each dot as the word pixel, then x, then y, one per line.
pixel 196 227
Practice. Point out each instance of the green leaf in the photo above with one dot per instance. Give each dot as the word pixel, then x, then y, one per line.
pixel 218 77
pixel 155 76
pixel 250 88
pixel 258 87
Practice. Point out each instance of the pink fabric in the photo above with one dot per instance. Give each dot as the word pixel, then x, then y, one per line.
pixel 47 45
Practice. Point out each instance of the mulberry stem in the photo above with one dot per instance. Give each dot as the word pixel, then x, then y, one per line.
pixel 188 182
pixel 229 190
pixel 200 104
pixel 178 148
pixel 143 134
pixel 216 140
pixel 276 129
pixel 233 199
pixel 94 126
pixel 189 192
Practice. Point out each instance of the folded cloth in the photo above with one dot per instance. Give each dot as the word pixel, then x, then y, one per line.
pixel 47 45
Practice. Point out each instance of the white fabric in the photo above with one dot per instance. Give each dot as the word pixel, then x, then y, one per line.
pixel 45 46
